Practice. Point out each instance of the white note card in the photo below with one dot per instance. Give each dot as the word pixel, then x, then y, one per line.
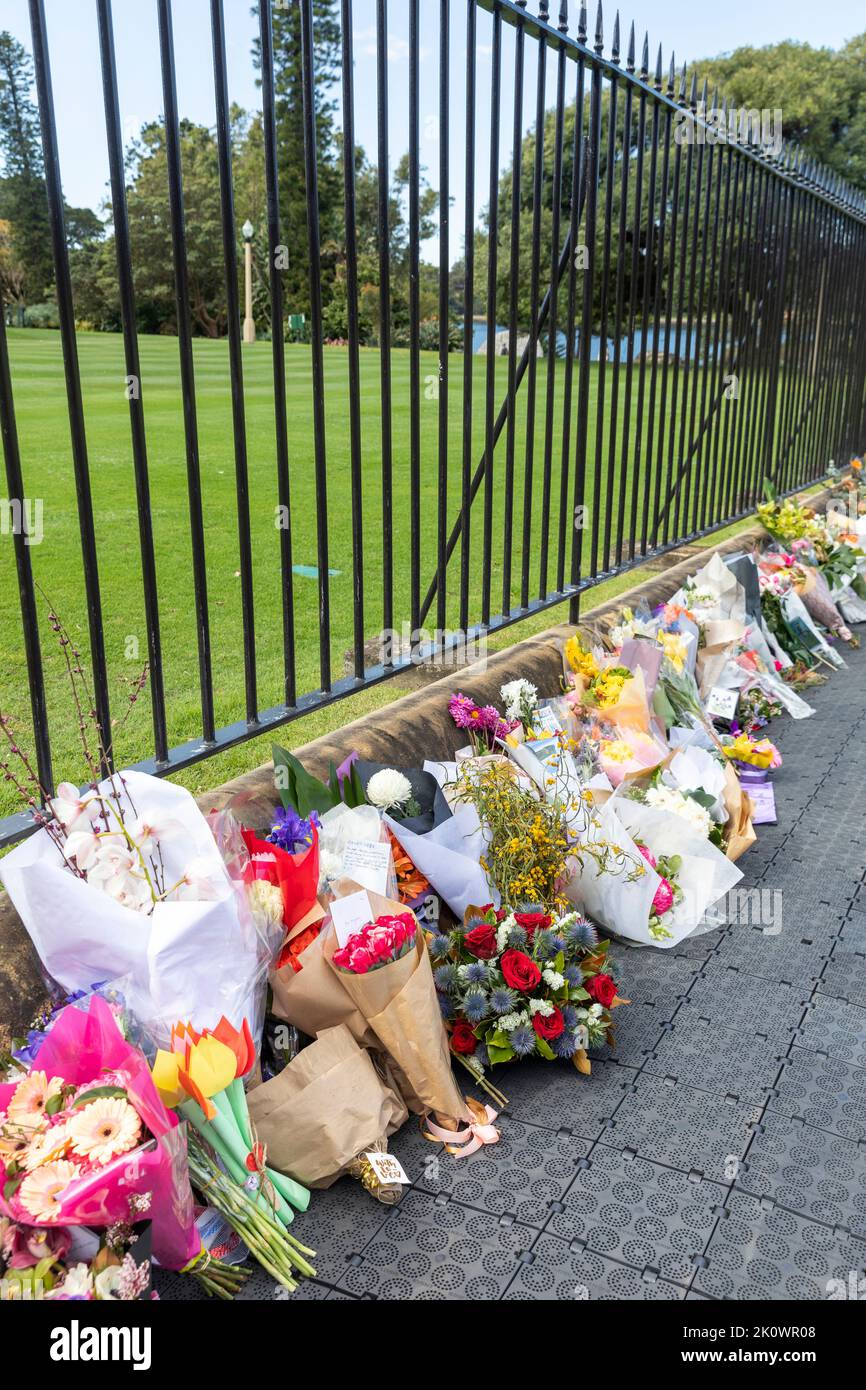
pixel 350 914
pixel 368 862
pixel 387 1168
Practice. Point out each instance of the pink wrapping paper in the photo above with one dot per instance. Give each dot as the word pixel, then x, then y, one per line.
pixel 80 1046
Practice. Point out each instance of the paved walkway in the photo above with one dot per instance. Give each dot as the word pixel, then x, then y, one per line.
pixel 722 1154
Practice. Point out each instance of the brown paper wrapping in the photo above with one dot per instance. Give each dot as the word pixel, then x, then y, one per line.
pixel 739 832
pixel 325 1108
pixel 313 998
pixel 398 1002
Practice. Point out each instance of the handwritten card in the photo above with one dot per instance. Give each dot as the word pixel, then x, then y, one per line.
pixel 722 703
pixel 387 1168
pixel 368 862
pixel 350 914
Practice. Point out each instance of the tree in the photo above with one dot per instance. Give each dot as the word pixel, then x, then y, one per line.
pixel 821 93
pixel 22 189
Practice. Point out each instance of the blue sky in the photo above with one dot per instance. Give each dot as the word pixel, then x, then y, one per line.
pixel 693 31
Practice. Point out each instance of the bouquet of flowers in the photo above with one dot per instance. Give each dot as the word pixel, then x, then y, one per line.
pixel 618 693
pixel 55 1263
pixel 377 944
pixel 202 1076
pixel 86 1141
pixel 483 724
pixel 522 983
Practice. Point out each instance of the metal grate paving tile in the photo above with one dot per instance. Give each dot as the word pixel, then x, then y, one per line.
pixel 660 980
pixel 852 931
pixel 835 1027
pixel 814 1173
pixel 644 1214
pixel 796 955
pixel 699 1053
pixel 522 1176
pixel 430 1248
pixel 336 1222
pixel 823 1092
pixel 844 976
pixel 757 1252
pixel 745 1004
pixel 558 1097
pixel 636 1030
pixel 687 1129
pixel 556 1271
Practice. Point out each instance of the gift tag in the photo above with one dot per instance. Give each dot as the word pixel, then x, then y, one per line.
pixel 388 1168
pixel 368 862
pixel 546 722
pixel 722 703
pixel 763 800
pixel 350 914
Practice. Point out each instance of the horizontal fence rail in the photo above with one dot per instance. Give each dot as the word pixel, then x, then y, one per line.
pixel 669 308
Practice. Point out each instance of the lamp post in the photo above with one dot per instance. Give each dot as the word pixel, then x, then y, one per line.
pixel 249 325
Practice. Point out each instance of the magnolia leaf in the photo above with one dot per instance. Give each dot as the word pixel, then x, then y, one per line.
pixel 99 1093
pixel 616 1000
pixel 582 1062
pixel 578 995
pixel 544 1049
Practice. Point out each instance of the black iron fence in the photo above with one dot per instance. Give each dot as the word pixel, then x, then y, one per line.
pixel 672 310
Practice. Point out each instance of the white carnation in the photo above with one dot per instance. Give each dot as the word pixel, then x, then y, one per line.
pixel 388 788
pixel 520 698
pixel 669 799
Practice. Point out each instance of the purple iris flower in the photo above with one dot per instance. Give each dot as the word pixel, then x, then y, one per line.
pixel 291 832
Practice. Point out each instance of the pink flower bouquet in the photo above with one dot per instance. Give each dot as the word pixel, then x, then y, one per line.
pixel 86 1140
pixel 630 751
pixel 377 944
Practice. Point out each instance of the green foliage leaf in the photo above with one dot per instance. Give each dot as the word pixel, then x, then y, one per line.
pixel 544 1049
pixel 297 787
pixel 100 1093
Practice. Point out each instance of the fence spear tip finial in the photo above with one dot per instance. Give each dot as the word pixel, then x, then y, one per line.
pixel 683 84
pixel 599 29
pixel 629 62
pixel 693 90
pixel 544 9
pixel 563 16
pixel 704 93
pixel 672 73
pixel 581 24
pixel 614 45
pixel 658 71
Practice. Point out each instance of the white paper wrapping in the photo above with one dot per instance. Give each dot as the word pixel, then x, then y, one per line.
pixel 186 960
pixel 449 855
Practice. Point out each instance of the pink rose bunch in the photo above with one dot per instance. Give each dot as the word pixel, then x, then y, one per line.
pixel 378 943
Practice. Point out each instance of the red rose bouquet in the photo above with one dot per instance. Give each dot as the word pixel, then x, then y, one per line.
pixel 377 944
pixel 524 983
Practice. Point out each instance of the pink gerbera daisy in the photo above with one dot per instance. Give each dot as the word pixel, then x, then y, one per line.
pixel 40 1192
pixel 27 1105
pixel 106 1127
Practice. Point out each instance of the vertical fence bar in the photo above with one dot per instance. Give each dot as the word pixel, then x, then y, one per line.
pixel 227 218
pixel 384 324
pixel 720 334
pixel 586 322
pixel 697 235
pixel 658 270
pixel 534 281
pixel 318 361
pixel 66 313
pixel 187 370
pixel 669 306
pixel 492 277
pixel 577 173
pixel 126 293
pixel 513 274
pixel 683 288
pixel 278 352
pixel 617 323
pixel 414 318
pixel 444 309
pixel 354 362
pixel 602 416
pixel 553 326
pixel 24 570
pixel 468 314
pixel 645 286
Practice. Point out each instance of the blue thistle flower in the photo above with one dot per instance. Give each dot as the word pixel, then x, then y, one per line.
pixel 440 945
pixel 481 1055
pixel 517 938
pixel 574 976
pixel 583 934
pixel 522 1041
pixel 476 973
pixel 569 1013
pixel 503 1000
pixel 445 976
pixel 475 1006
pixel 558 943
pixel 543 944
pixel 565 1045
pixel 446 1008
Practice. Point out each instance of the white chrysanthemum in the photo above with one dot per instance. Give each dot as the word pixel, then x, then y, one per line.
pixel 519 697
pixel 388 788
pixel 669 799
pixel 553 978
pixel 511 1021
pixel 541 1006
pixel 78 1283
pixel 330 866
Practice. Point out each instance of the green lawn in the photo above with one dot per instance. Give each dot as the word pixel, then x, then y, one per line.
pixel 46 459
